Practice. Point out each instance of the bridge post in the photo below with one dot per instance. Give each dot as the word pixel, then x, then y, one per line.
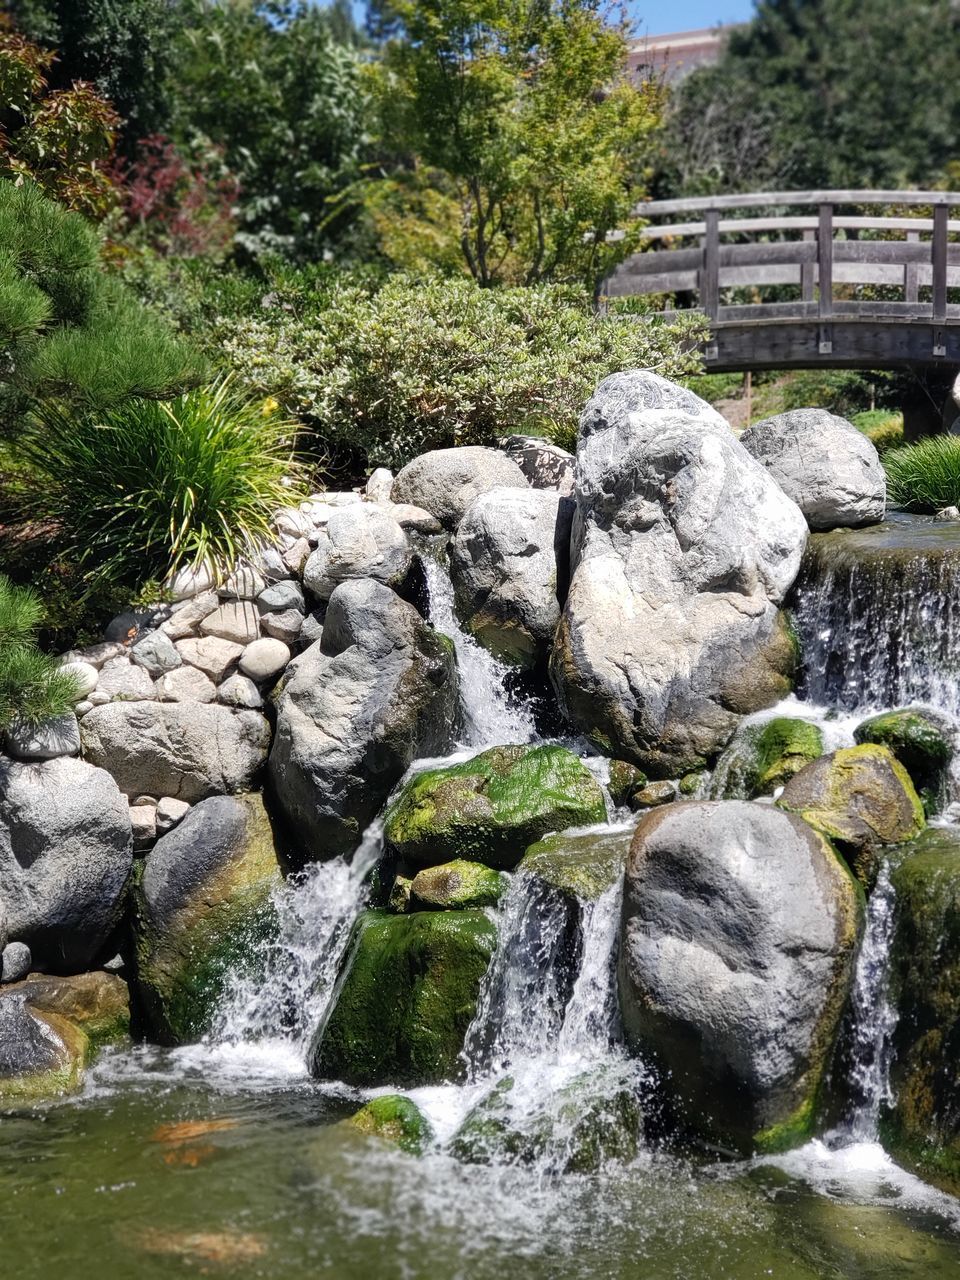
pixel 941 214
pixel 825 270
pixel 710 271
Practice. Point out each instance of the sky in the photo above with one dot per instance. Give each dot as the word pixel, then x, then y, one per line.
pixel 660 17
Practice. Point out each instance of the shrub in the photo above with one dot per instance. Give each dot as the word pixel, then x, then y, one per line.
pixel 842 391
pixel 417 365
pixel 881 427
pixel 145 489
pixel 925 477
pixel 33 688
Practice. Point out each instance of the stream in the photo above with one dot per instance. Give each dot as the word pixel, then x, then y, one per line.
pixel 223 1158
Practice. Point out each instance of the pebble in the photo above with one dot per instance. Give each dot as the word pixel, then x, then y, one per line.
pixel 264 659
pixel 15 962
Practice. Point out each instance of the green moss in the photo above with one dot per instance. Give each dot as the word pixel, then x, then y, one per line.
pixel 399 900
pixel 691 783
pixel 456 886
pixel 97 1003
pixel 625 779
pixel 394 1119
pixel 765 756
pixel 919 742
pixel 407 994
pixel 65 1075
pixel 581 867
pixel 789 1133
pixel 490 808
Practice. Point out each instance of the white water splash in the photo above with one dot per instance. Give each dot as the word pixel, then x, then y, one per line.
pixel 491 717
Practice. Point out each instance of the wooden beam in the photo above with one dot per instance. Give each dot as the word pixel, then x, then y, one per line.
pixel 825 260
pixel 911 277
pixel 939 262
pixel 795 199
pixel 807 270
pixel 710 271
pixel 756 226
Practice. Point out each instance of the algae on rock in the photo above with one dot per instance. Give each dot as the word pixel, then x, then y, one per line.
pixel 920 739
pixel 578 866
pixel 765 756
pixel 395 1119
pixel 407 993
pixel 456 886
pixel 491 808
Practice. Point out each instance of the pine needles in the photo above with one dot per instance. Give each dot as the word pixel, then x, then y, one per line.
pixel 33 688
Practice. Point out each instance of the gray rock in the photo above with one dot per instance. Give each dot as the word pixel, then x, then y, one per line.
pixel 738 943
pixel 35 1058
pixel 96 655
pixel 280 596
pixel 829 468
pixel 15 962
pixel 445 481
pixel 312 629
pixel 98 698
pixel 292 522
pixel 285 626
pixel 245 583
pixel 85 674
pixel 155 652
pixel 379 484
pixel 270 563
pixel 237 621
pixel 187 583
pixel 120 678
pixel 413 519
pixel 296 555
pixel 545 465
pixel 948 513
pixel 240 691
pixel 186 684
pixel 169 813
pixel 510 565
pixel 211 655
pixel 358 542
pixel 376 693
pixel 683 546
pixel 189 750
pixel 188 616
pixel 65 855
pixel 81 709
pixel 57 737
pixel 264 659
pixel 143 823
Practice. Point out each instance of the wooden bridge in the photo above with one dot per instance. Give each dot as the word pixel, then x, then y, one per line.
pixel 854 289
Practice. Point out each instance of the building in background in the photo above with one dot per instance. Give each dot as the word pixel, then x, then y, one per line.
pixel 675 56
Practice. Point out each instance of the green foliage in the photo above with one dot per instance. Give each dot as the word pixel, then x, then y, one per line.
pixel 66 328
pixel 273 88
pixel 924 477
pixel 390 372
pixel 821 93
pixel 841 391
pixel 33 688
pixel 522 140
pixel 149 487
pixel 881 427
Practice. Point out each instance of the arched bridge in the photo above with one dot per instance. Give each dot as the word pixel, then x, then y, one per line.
pixel 853 289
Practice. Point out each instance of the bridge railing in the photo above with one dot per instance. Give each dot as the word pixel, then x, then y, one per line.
pixel 813 252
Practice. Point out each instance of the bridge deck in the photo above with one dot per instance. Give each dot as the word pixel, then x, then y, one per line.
pixel 866 291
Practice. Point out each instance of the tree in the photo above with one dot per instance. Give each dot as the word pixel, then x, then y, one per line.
pixel 61 140
pixel 124 47
pixel 271 86
pixel 522 143
pixel 822 93
pixel 69 331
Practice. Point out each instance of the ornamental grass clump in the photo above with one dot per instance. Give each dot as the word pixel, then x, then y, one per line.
pixel 150 487
pixel 33 687
pixel 924 477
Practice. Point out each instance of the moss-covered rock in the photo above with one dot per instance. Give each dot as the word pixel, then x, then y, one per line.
pixel 861 798
pixel 920 740
pixel 579 866
pixel 97 1003
pixel 691 783
pixel 203 908
pixel 407 993
pixel 42 1055
pixel 394 1119
pixel 399 899
pixel 593 1121
pixel 765 756
pixel 923 1127
pixel 456 886
pixel 625 779
pixel 654 794
pixel 491 808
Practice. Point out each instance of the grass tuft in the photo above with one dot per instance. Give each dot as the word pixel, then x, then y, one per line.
pixel 924 477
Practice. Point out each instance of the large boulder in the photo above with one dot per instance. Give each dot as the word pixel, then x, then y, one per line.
pixel 203 908
pixel 357 542
pixel 66 849
pixel 510 565
pixel 582 867
pixel 545 464
pixel 829 468
pixel 375 693
pixel 683 547
pixel 922 1126
pixel 188 750
pixel 740 927
pixel 492 807
pixel 860 798
pixel 406 996
pixel 41 1054
pixel 924 743
pixel 763 757
pixel 98 1003
pixel 445 481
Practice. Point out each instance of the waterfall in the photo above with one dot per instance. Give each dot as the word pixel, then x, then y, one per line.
pixel 315 911
pixel 491 717
pixel 873 1017
pixel 878 612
